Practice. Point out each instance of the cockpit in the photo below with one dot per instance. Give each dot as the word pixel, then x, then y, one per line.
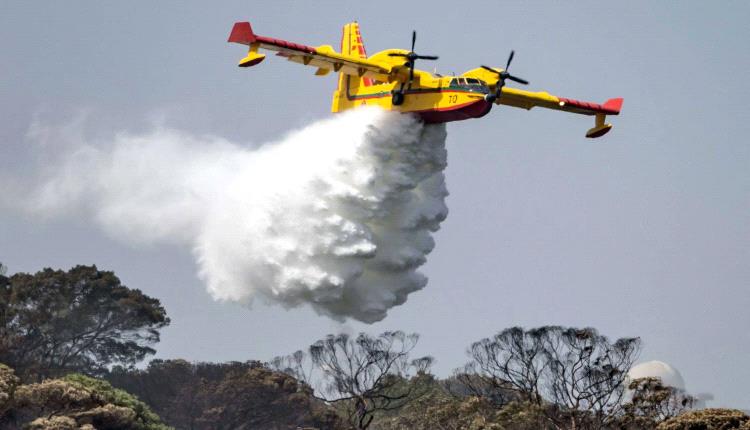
pixel 470 84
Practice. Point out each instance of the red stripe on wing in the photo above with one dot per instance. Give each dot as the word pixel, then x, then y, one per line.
pixel 242 33
pixel 610 107
pixel 285 44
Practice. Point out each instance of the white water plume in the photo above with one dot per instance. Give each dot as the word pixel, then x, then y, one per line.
pixel 338 215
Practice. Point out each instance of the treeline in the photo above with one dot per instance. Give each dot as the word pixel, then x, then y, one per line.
pixel 70 342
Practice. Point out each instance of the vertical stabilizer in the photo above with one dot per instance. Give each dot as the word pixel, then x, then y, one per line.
pixel 351 45
pixel 351 41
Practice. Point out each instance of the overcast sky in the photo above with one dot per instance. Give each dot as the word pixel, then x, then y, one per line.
pixel 644 232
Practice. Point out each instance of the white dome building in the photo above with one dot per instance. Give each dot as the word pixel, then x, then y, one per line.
pixel 669 376
pixel 658 369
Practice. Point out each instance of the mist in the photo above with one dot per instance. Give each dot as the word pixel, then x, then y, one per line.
pixel 338 216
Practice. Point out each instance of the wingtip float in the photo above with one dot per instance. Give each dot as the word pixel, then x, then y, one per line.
pixel 390 80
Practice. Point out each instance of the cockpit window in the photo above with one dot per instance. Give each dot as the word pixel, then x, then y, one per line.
pixel 470 84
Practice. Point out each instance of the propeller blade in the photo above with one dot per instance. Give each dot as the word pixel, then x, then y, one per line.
pixel 411 57
pixel 489 68
pixel 510 58
pixel 519 80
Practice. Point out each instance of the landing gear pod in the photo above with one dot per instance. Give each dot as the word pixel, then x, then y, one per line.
pixel 252 58
pixel 600 128
pixel 611 107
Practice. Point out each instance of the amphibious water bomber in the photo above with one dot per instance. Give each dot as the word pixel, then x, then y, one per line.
pixel 389 79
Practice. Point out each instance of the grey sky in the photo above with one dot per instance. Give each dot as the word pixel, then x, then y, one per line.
pixel 641 233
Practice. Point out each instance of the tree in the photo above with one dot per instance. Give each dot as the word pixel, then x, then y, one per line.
pixel 586 375
pixel 708 419
pixel 576 376
pixel 652 402
pixel 470 413
pixel 364 375
pixel 440 409
pixel 215 396
pixel 8 384
pixel 513 360
pixel 170 387
pixel 72 402
pixel 83 320
pixel 275 400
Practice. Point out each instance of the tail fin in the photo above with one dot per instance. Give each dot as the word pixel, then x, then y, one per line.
pixel 351 41
pixel 351 45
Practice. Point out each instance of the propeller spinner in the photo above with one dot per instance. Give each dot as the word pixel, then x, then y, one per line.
pixel 503 75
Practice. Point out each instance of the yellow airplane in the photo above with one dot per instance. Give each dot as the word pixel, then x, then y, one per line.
pixel 389 79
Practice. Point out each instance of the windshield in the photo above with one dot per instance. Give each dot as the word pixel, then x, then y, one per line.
pixel 470 84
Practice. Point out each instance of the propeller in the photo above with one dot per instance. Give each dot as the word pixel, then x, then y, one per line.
pixel 412 57
pixel 502 77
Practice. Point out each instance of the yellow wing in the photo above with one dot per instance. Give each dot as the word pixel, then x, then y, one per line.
pixel 528 99
pixel 324 57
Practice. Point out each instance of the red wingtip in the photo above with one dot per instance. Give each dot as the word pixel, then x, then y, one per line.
pixel 242 33
pixel 613 104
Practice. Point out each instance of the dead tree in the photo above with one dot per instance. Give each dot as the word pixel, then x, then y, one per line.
pixel 362 375
pixel 576 376
pixel 511 362
pixel 586 376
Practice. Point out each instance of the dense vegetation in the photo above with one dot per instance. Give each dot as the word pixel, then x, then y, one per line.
pixel 72 402
pixel 225 396
pixel 70 341
pixel 82 320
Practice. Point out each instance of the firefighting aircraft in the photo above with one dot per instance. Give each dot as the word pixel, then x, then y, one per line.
pixel 390 80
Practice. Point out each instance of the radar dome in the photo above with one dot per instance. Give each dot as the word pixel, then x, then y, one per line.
pixel 658 369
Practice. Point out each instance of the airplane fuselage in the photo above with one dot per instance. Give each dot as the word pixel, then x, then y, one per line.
pixel 434 98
